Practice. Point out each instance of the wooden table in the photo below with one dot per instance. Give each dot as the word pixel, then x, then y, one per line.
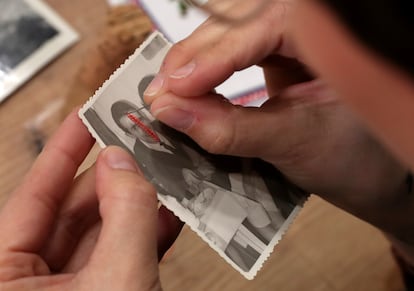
pixel 325 249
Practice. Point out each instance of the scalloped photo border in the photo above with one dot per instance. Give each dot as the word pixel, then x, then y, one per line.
pixel 172 204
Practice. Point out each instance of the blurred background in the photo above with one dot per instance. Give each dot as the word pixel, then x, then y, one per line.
pixel 324 249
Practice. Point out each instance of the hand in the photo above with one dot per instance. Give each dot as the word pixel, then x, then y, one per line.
pixel 304 129
pixel 96 232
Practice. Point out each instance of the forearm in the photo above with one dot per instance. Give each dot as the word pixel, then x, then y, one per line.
pixel 391 210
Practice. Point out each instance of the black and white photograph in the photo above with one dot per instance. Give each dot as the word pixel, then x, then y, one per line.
pixel 241 207
pixel 31 35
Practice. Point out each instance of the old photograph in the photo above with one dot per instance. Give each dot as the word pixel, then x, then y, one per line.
pixel 240 207
pixel 31 34
pixel 22 32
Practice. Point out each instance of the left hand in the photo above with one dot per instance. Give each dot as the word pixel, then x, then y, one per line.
pixel 98 231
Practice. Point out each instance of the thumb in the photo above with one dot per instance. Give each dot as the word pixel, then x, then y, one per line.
pixel 125 256
pixel 223 128
pixel 214 51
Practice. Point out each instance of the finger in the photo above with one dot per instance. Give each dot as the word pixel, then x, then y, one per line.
pixel 196 66
pixel 27 218
pixel 127 245
pixel 84 248
pixel 281 72
pixel 79 212
pixel 222 128
pixel 169 226
pixel 75 233
pixel 203 36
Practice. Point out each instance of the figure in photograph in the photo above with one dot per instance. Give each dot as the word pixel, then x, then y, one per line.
pixel 180 153
pixel 161 159
pixel 238 221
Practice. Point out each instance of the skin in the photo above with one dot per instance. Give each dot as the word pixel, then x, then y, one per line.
pixel 384 100
pixel 95 232
pixel 346 68
pixel 328 126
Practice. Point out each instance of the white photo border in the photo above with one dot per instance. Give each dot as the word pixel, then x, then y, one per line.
pixel 65 38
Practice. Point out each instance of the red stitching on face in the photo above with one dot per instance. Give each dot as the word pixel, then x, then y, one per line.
pixel 145 128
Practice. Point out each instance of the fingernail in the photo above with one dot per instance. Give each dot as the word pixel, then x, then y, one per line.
pixel 175 117
pixel 155 86
pixel 117 158
pixel 184 71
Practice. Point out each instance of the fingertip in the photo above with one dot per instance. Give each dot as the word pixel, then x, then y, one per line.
pixel 206 119
pixel 175 117
pixel 118 173
pixel 118 159
pixel 155 86
pixel 184 71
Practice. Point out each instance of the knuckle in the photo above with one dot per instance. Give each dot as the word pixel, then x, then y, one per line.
pixel 179 51
pixel 223 48
pixel 133 190
pixel 180 47
pixel 221 141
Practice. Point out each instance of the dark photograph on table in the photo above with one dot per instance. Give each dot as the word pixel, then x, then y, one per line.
pixel 31 35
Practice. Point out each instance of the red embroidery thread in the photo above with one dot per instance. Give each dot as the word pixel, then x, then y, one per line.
pixel 145 128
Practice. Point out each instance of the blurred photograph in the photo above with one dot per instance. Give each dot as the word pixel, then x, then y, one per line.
pixel 31 35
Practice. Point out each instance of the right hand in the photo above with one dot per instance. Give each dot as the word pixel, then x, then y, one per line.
pixel 304 130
